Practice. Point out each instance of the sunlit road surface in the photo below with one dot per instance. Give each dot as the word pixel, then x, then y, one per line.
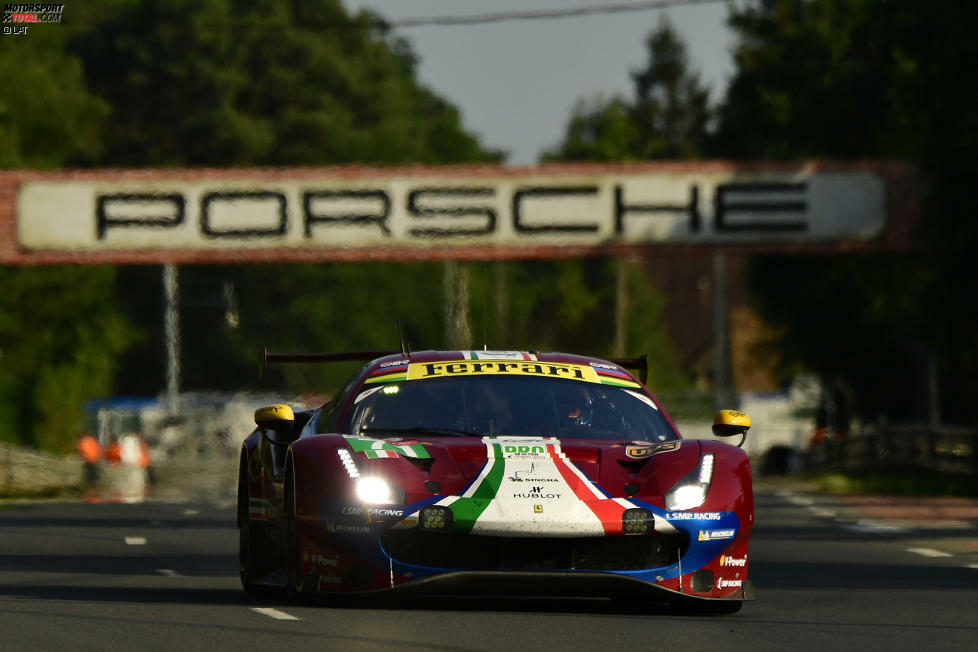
pixel 163 576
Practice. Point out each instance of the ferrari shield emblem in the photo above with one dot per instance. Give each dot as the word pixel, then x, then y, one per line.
pixel 538 509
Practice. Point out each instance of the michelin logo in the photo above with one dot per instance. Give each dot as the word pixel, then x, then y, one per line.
pixel 715 535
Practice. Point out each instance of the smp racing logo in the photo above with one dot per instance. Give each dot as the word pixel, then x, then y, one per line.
pixel 17 16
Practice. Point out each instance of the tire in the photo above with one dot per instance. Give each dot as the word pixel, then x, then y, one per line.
pixel 250 540
pixel 293 568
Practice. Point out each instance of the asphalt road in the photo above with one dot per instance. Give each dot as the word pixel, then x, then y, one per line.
pixel 163 576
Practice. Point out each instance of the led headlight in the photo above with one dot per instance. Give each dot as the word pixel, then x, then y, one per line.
pixel 637 521
pixel 374 491
pixel 691 491
pixel 435 517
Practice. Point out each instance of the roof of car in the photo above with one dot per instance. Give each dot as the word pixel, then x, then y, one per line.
pixel 516 356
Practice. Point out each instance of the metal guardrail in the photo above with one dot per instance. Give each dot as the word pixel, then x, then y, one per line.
pixel 944 449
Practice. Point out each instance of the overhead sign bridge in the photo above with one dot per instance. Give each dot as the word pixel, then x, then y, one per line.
pixel 452 212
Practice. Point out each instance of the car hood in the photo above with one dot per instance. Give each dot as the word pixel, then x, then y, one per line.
pixel 527 486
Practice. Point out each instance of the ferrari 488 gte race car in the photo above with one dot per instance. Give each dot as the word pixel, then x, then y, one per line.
pixel 494 472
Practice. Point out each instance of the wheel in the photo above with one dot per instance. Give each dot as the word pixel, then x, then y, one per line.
pixel 250 540
pixel 293 569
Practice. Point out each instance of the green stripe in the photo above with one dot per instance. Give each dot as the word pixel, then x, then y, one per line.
pixel 389 378
pixel 468 510
pixel 618 383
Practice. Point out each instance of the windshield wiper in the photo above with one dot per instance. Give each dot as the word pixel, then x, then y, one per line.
pixel 422 430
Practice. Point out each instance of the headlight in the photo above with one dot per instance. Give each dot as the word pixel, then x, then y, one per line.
pixel 691 491
pixel 374 491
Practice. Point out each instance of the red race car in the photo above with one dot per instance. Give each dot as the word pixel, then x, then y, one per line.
pixel 488 472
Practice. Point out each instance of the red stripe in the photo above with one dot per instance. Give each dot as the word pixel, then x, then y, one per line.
pixel 608 511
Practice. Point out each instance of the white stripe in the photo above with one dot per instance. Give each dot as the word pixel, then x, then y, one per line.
pixel 169 572
pixel 274 613
pixel 975 566
pixel 929 552
pixel 136 541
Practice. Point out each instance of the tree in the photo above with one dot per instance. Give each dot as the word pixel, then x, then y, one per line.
pixel 61 335
pixel 668 118
pixel 853 79
pixel 47 115
pixel 261 82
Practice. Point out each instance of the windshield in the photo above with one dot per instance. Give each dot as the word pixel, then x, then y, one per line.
pixel 492 405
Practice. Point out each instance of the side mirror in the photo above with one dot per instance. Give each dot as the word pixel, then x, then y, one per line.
pixel 276 422
pixel 728 423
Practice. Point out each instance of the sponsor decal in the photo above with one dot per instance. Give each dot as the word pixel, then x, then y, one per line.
pixel 536 492
pixel 727 560
pixel 421 371
pixel 715 535
pixel 497 355
pixel 729 584
pixel 329 579
pixel 523 450
pixel 373 512
pixel 693 516
pixel 395 363
pixel 346 528
pixel 648 450
pixel 529 475
pixel 538 509
pixel 322 560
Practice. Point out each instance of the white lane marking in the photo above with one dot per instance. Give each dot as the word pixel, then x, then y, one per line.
pixel 822 512
pixel 169 572
pixel 135 541
pixel 874 527
pixel 191 512
pixel 975 566
pixel 929 552
pixel 801 501
pixel 274 613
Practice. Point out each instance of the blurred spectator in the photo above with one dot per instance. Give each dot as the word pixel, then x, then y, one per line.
pixel 91 453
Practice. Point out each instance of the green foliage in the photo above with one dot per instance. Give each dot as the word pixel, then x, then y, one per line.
pixel 261 83
pixel 868 79
pixel 61 333
pixel 570 306
pixel 47 115
pixel 669 117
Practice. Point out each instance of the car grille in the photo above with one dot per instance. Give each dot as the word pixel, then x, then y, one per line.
pixel 473 552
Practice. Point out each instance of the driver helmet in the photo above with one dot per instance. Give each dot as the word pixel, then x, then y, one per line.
pixel 576 408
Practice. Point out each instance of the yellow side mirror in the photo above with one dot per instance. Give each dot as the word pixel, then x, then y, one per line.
pixel 728 423
pixel 274 417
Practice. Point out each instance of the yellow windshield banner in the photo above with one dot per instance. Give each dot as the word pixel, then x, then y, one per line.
pixel 448 368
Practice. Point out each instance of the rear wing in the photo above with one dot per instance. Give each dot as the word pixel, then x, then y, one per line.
pixel 346 356
pixel 640 364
